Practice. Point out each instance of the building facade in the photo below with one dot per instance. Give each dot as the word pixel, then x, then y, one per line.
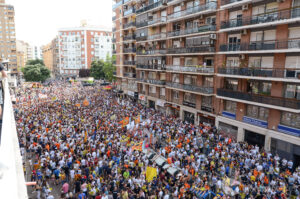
pixel 78 47
pixel 47 51
pixel 230 63
pixel 24 53
pixel 8 50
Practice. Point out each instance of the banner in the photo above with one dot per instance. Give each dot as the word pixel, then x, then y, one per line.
pixel 86 102
pixel 150 173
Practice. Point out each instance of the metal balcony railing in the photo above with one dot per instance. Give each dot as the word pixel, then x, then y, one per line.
pixel 162 35
pixel 194 88
pixel 193 10
pixel 193 69
pixel 152 81
pixel 262 18
pixel 150 7
pixel 262 45
pixel 129 50
pixel 154 67
pixel 262 72
pixel 191 50
pixel 11 170
pixel 188 31
pixel 129 11
pixel 152 22
pixel 129 37
pixel 125 1
pixel 128 25
pixel 152 52
pixel 129 62
pixel 131 75
pixel 276 101
pixel 117 4
pixel 141 38
pixel 225 2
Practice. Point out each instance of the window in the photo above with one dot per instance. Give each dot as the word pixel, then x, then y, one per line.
pixel 292 91
pixel 206 101
pixel 231 84
pixel 230 106
pixel 175 94
pixel 189 97
pixel 257 112
pixel 152 75
pixel 290 119
pixel 259 87
pixel 175 78
pixel 190 80
pixel 152 89
pixel 162 91
pixel 208 82
pixel 233 62
pixel 292 62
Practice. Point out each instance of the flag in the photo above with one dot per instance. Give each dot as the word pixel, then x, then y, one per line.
pixel 86 102
pixel 78 105
pixel 137 147
pixel 150 173
pixel 85 136
pixel 54 98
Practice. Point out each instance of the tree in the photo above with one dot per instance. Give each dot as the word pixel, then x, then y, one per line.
pixel 109 68
pixel 84 72
pixel 97 69
pixel 34 62
pixel 36 73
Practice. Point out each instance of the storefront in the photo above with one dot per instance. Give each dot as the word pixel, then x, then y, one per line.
pixel 160 106
pixel 255 138
pixel 228 130
pixel 206 119
pixel 142 99
pixel 151 104
pixel 173 110
pixel 189 117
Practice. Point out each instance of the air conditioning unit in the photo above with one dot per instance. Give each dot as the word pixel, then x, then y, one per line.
pixel 242 56
pixel 244 31
pixel 245 7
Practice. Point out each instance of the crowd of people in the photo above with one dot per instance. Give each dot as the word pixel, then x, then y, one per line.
pixel 76 139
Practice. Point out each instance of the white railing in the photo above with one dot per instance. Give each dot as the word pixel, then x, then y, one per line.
pixel 12 181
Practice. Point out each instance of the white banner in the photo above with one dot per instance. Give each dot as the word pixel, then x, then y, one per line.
pixel 160 103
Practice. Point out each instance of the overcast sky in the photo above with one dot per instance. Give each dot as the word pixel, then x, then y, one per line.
pixel 37 21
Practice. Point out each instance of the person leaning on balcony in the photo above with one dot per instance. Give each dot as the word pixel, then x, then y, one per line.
pixel 4 75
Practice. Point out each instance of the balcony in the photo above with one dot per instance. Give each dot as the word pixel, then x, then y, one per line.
pixel 114 29
pixel 152 81
pixel 114 18
pixel 141 38
pixel 188 31
pixel 150 7
pixel 128 25
pixel 12 181
pixel 162 36
pixel 117 4
pixel 126 1
pixel 276 73
pixel 129 50
pixel 261 99
pixel 197 10
pixel 151 67
pixel 130 75
pixel 291 44
pixel 281 16
pixel 193 88
pixel 129 12
pixel 188 50
pixel 190 69
pixel 152 52
pixel 129 62
pixel 129 37
pixel 152 22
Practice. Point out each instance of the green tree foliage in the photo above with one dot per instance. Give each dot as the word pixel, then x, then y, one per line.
pixel 103 69
pixel 34 62
pixel 97 69
pixel 109 68
pixel 36 73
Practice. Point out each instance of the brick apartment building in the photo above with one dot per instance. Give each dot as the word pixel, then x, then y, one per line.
pixel 78 47
pixel 50 53
pixel 232 63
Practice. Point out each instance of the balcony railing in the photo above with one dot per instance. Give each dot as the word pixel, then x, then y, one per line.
pixel 193 10
pixel 262 18
pixel 128 25
pixel 154 67
pixel 192 69
pixel 188 31
pixel 262 72
pixel 151 22
pixel 131 75
pixel 114 29
pixel 129 62
pixel 126 1
pixel 152 81
pixel 141 38
pixel 194 88
pixel 276 101
pixel 11 170
pixel 225 2
pixel 129 37
pixel 262 45
pixel 191 50
pixel 152 52
pixel 128 12
pixel 150 7
pixel 189 104
pixel 129 50
pixel 162 35
pixel 114 18
pixel 117 4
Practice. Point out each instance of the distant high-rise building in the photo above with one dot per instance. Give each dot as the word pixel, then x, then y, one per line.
pixel 7 36
pixel 51 56
pixel 78 47
pixel 24 53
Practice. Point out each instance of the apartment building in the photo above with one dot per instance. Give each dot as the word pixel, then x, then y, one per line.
pixel 7 37
pixel 78 47
pixel 232 63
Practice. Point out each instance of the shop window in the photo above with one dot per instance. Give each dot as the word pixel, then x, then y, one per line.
pixel 290 119
pixel 230 106
pixel 257 112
